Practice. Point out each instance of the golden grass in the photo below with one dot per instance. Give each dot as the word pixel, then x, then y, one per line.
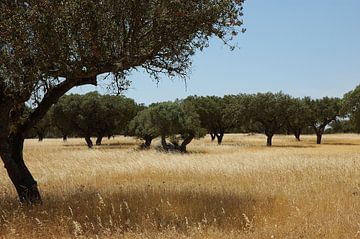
pixel 241 189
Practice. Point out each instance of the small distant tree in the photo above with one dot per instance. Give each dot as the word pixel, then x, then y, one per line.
pixel 264 112
pixel 93 115
pixel 211 111
pixel 351 107
pixel 297 117
pixel 321 113
pixel 142 127
pixel 173 121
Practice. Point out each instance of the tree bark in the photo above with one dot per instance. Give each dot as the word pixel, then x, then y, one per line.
pixel 269 140
pixel 99 140
pixel 186 141
pixel 11 152
pixel 163 143
pixel 212 135
pixel 40 136
pixel 89 142
pixel 148 141
pixel 318 137
pixel 64 137
pixel 297 134
pixel 220 137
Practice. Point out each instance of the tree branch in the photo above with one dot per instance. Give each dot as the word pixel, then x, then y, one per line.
pixel 52 97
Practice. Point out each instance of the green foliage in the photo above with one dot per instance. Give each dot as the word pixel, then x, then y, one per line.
pixel 351 107
pixel 297 116
pixel 212 114
pixel 340 126
pixel 323 111
pixel 264 112
pixel 93 114
pixel 174 120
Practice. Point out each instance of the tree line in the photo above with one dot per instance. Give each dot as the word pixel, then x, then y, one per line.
pixel 178 123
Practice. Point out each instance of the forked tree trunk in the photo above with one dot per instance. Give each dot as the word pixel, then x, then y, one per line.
pixel 213 136
pixel 99 140
pixel 11 152
pixel 269 140
pixel 186 141
pixel 220 137
pixel 89 142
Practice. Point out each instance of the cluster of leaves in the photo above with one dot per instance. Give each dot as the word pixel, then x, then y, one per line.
pixel 90 115
pixel 272 113
pixel 269 113
pixel 352 108
pixel 177 121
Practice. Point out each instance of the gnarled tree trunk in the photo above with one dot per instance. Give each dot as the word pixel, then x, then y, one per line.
pixel 148 141
pixel 186 141
pixel 11 152
pixel 163 143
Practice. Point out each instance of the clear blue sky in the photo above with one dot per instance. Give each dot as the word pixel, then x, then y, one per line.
pixel 301 47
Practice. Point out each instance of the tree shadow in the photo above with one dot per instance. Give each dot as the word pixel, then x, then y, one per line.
pixel 152 208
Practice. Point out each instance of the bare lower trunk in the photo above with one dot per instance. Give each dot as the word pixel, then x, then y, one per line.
pixel 212 135
pixel 269 140
pixel 41 137
pixel 99 140
pixel 163 143
pixel 11 152
pixel 220 137
pixel 89 142
pixel 297 134
pixel 64 137
pixel 318 138
pixel 148 141
pixel 186 141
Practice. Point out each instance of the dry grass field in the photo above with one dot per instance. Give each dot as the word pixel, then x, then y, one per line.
pixel 241 189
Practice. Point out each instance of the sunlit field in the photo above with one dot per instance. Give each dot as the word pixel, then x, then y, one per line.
pixel 241 189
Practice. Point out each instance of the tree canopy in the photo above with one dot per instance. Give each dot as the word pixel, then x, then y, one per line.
pixel 351 107
pixel 49 47
pixel 94 115
pixel 321 113
pixel 174 120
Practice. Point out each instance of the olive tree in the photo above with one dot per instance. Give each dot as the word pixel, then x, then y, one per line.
pixel 297 117
pixel 49 47
pixel 176 121
pixel 94 115
pixel 321 113
pixel 211 110
pixel 261 112
pixel 141 126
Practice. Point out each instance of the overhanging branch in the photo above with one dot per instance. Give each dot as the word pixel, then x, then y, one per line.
pixel 52 97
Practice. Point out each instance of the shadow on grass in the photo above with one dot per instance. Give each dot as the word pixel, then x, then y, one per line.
pixel 151 208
